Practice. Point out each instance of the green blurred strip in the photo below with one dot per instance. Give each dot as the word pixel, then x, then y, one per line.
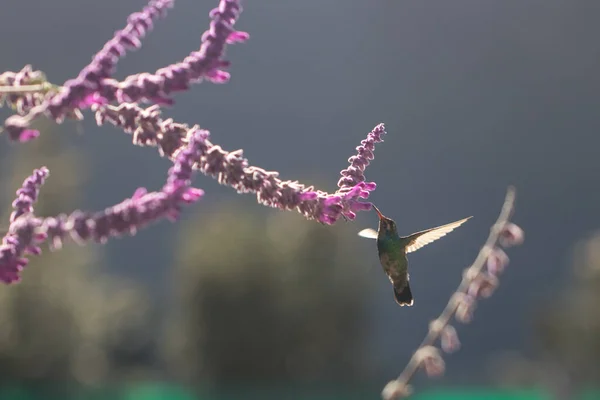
pixel 159 391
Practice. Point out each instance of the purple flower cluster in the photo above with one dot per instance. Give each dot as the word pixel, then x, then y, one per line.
pixel 74 92
pixel 188 147
pixel 17 242
pixel 27 231
pixel 94 85
pixel 232 169
pixel 103 64
pixel 27 195
pixel 479 281
pixel 23 100
pixel 204 63
pixel 355 173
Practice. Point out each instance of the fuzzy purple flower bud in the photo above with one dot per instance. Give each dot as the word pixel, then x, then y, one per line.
pixel 483 285
pixel 449 339
pixel 237 37
pixel 511 235
pixel 465 307
pixel 497 261
pixel 431 360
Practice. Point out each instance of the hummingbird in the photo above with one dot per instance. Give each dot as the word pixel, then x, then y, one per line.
pixel 393 249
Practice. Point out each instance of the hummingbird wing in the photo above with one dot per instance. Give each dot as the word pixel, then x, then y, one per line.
pixel 420 239
pixel 368 233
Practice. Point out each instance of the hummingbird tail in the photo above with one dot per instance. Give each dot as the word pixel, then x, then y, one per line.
pixel 403 296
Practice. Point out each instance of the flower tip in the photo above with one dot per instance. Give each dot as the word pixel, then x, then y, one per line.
pixel 237 37
pixel 40 236
pixel 34 250
pixel 370 186
pixel 430 359
pixel 192 194
pixel 465 307
pixel 351 215
pixel 139 193
pixel 352 193
pixel 28 134
pixel 42 172
pixel 449 339
pixel 511 235
pixel 93 99
pixel 218 76
pixel 497 261
pixel 360 206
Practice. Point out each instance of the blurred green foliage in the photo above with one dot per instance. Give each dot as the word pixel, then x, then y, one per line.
pixel 66 322
pixel 569 327
pixel 566 340
pixel 159 391
pixel 262 300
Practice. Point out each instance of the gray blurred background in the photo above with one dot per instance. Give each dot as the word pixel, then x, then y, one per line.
pixel 475 95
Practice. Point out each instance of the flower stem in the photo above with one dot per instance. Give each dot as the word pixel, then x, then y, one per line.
pixel 42 87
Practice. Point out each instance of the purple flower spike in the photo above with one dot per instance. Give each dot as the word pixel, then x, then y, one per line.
pixel 181 172
pixel 26 231
pixel 232 169
pixel 104 62
pixel 354 174
pixel 206 63
pixel 22 102
pixel 27 195
pixel 21 237
pixel 75 92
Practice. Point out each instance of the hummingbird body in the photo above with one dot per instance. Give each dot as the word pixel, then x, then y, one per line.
pixel 392 256
pixel 393 249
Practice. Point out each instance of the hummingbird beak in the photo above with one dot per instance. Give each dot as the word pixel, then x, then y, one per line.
pixel 377 211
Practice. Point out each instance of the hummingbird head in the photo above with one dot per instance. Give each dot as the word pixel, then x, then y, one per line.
pixel 385 224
